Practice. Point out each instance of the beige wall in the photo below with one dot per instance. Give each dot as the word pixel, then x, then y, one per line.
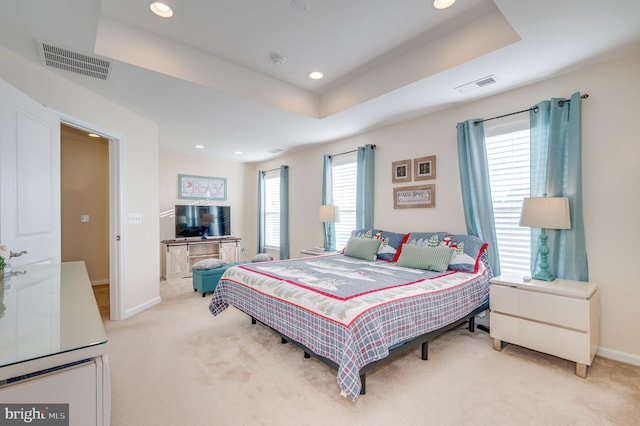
pixel 610 155
pixel 139 168
pixel 84 188
pixel 172 165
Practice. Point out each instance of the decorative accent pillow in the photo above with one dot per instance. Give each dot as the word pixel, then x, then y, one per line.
pixel 362 248
pixel 426 239
pixel 468 250
pixel 390 245
pixel 262 257
pixel 208 264
pixel 362 233
pixel 429 258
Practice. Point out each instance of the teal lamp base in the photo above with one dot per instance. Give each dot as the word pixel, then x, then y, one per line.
pixel 329 244
pixel 543 273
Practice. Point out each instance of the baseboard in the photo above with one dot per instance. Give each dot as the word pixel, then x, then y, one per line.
pixel 142 307
pixel 627 358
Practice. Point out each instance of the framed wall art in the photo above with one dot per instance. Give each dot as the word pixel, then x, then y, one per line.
pixel 424 168
pixel 401 171
pixel 202 188
pixel 408 197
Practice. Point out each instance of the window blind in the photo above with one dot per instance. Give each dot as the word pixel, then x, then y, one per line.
pixel 344 179
pixel 272 209
pixel 509 164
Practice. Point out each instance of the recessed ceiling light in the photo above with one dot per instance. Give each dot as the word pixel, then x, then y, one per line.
pixel 315 75
pixel 161 8
pixel 238 152
pixel 199 147
pixel 443 4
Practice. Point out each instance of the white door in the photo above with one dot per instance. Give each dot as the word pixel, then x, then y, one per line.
pixel 29 178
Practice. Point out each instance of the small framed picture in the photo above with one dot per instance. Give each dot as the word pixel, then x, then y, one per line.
pixel 401 171
pixel 424 168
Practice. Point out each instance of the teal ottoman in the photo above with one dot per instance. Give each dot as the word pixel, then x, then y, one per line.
pixel 206 280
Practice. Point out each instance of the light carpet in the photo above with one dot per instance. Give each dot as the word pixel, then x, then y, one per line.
pixel 176 364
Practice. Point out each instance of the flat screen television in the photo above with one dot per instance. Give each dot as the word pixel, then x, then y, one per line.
pixel 202 221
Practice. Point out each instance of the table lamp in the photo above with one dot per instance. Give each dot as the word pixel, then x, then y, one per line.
pixel 545 213
pixel 329 214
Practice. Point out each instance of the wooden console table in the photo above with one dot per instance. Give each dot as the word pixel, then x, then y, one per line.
pixel 178 256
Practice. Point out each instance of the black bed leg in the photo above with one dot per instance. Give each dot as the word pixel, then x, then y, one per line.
pixel 306 354
pixel 363 382
pixel 472 324
pixel 253 320
pixel 425 351
pixel 283 340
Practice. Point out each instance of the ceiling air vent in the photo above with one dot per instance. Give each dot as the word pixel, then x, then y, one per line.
pixel 485 81
pixel 79 63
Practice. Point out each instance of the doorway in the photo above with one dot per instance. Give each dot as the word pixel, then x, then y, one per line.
pixel 89 205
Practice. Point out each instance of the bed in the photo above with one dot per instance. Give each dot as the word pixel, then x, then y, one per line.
pixel 353 313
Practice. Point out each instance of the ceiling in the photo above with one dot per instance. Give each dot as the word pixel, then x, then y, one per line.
pixel 207 76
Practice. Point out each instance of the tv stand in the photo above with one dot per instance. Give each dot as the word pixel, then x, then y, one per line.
pixel 179 255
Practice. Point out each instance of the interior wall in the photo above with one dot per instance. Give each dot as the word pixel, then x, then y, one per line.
pixel 84 187
pixel 139 138
pixel 172 165
pixel 610 154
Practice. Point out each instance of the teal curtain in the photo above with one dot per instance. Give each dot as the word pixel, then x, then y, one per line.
pixel 260 248
pixel 284 212
pixel 556 170
pixel 365 186
pixel 476 187
pixel 329 228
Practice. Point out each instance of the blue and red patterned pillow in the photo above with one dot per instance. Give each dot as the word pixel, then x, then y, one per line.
pixel 390 245
pixel 468 248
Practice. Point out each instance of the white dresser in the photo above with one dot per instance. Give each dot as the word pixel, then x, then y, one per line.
pixel 560 317
pixel 53 346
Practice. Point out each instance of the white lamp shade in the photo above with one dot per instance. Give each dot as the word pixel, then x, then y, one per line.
pixel 546 212
pixel 329 214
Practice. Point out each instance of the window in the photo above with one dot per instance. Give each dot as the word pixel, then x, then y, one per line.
pixel 344 178
pixel 272 209
pixel 509 164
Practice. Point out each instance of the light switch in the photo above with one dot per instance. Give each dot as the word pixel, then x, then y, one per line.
pixel 84 218
pixel 135 218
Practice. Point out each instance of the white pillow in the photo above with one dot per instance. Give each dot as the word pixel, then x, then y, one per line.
pixel 208 264
pixel 261 257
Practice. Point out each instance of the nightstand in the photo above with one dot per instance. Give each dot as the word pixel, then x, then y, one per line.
pixel 560 317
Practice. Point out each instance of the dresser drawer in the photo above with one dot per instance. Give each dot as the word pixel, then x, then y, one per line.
pixel 562 342
pixel 566 312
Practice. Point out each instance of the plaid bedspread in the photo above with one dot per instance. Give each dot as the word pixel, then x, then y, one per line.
pixel 348 310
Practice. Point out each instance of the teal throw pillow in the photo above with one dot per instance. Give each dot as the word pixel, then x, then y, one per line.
pixel 429 258
pixel 362 248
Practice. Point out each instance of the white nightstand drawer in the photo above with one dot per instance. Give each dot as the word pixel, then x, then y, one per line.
pixel 553 309
pixel 564 343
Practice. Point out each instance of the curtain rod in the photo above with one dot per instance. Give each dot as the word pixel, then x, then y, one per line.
pixel 535 109
pixel 349 152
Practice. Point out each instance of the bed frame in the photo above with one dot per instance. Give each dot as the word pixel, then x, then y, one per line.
pixel 394 351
